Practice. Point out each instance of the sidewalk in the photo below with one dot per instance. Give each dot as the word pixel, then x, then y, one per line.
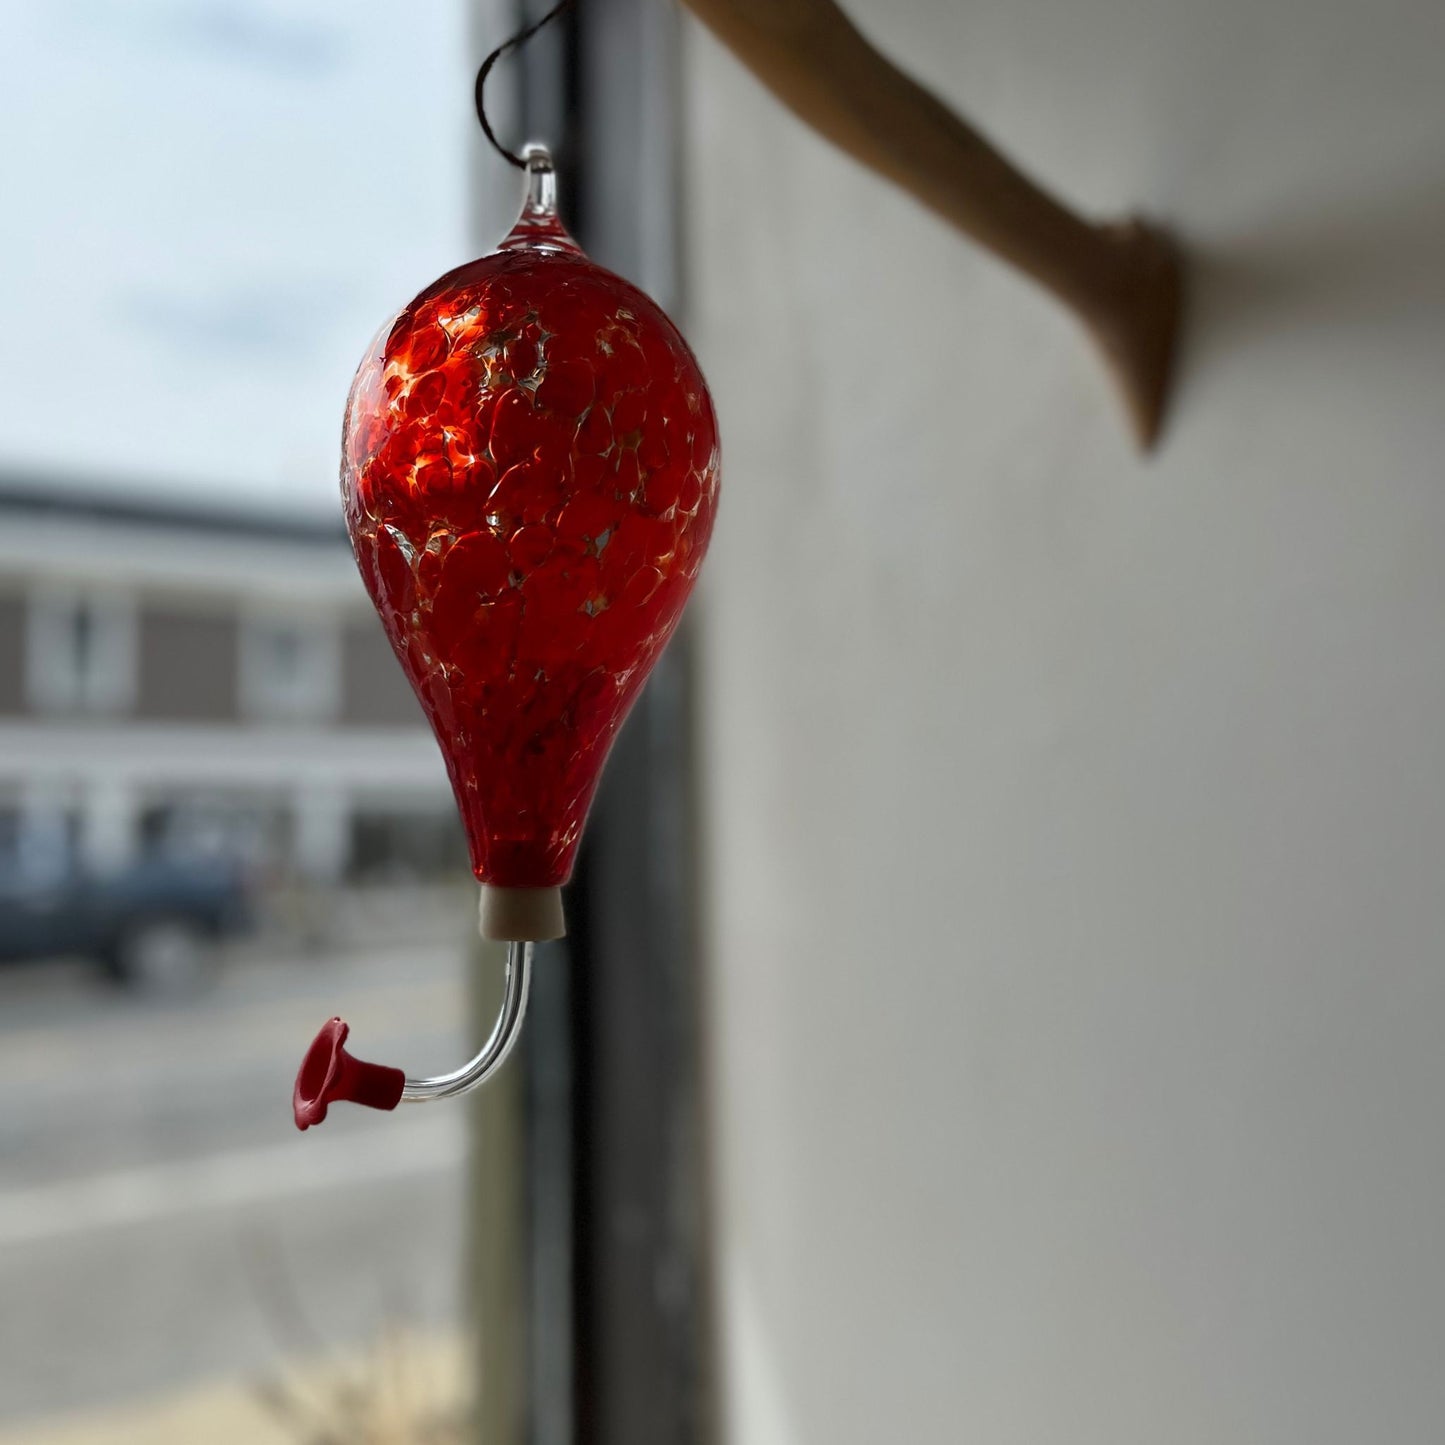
pixel 384 1397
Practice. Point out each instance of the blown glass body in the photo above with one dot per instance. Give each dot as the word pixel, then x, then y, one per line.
pixel 530 475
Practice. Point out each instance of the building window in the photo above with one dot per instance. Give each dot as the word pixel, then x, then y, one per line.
pixel 290 669
pixel 80 652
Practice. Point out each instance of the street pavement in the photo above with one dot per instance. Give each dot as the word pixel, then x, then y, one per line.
pixel 162 1222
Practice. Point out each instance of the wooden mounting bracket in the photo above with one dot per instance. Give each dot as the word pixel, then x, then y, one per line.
pixel 1123 280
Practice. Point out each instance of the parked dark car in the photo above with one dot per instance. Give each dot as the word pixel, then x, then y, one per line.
pixel 153 923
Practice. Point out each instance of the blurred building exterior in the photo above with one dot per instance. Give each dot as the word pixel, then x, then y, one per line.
pixel 184 677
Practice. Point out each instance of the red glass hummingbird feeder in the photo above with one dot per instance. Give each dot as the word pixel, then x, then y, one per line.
pixel 529 473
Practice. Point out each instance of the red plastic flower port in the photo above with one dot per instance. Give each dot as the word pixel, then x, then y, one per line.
pixel 328 1075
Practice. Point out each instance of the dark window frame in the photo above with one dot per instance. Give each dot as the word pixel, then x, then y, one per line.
pixel 615 1282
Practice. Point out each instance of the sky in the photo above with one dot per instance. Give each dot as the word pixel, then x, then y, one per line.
pixel 207 209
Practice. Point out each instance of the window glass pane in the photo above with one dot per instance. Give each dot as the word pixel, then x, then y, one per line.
pixel 210 206
pixel 229 200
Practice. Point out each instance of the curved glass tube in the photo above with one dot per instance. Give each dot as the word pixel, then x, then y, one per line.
pixel 504 1035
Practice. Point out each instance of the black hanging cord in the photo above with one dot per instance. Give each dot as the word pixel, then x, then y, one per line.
pixel 520 38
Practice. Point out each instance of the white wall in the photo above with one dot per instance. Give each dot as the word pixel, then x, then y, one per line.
pixel 1076 824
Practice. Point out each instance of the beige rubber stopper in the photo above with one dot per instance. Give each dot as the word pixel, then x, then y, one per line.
pixel 521 915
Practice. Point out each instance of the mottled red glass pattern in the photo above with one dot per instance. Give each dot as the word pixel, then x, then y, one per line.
pixel 530 472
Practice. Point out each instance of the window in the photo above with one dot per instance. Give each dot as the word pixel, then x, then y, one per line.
pixel 290 669
pixel 80 652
